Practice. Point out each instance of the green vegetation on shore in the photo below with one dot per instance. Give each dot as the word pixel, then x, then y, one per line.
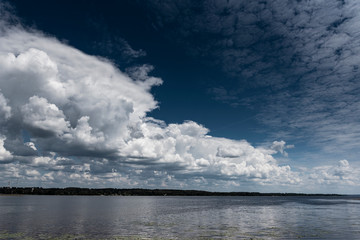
pixel 137 192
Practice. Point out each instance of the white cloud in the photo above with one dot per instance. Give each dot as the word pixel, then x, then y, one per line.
pixel 280 146
pixel 83 133
pixel 38 113
pixel 4 154
pixel 32 173
pixel 81 168
pixel 188 146
pixel 342 174
pixel 60 90
pixel 5 110
pixel 31 145
pixel 47 177
pixel 43 161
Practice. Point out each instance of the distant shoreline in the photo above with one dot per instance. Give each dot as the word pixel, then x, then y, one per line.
pixel 135 192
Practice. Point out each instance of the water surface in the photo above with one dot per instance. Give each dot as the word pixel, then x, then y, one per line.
pixel 118 217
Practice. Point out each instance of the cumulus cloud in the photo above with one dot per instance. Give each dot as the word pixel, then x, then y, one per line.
pixel 38 113
pixel 5 110
pixel 57 90
pixel 341 174
pixel 32 173
pixel 189 147
pixel 280 146
pixel 4 154
pixel 31 145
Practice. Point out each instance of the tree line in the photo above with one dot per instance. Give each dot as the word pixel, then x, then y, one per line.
pixel 136 192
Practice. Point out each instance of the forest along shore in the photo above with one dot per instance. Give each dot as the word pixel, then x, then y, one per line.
pixel 137 192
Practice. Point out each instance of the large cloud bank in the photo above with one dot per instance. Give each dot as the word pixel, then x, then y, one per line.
pixel 86 119
pixel 68 118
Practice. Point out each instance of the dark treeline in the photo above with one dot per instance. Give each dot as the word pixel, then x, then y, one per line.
pixel 137 192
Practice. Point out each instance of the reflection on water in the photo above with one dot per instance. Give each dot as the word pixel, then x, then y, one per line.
pixel 92 217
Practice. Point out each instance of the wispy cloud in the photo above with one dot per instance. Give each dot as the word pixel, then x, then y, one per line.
pixel 295 62
pixel 119 47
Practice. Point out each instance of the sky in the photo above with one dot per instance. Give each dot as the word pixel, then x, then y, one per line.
pixel 208 95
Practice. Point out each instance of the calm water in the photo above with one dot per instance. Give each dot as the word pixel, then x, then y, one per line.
pixel 104 217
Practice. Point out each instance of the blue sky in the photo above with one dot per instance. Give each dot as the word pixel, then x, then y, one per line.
pixel 213 95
